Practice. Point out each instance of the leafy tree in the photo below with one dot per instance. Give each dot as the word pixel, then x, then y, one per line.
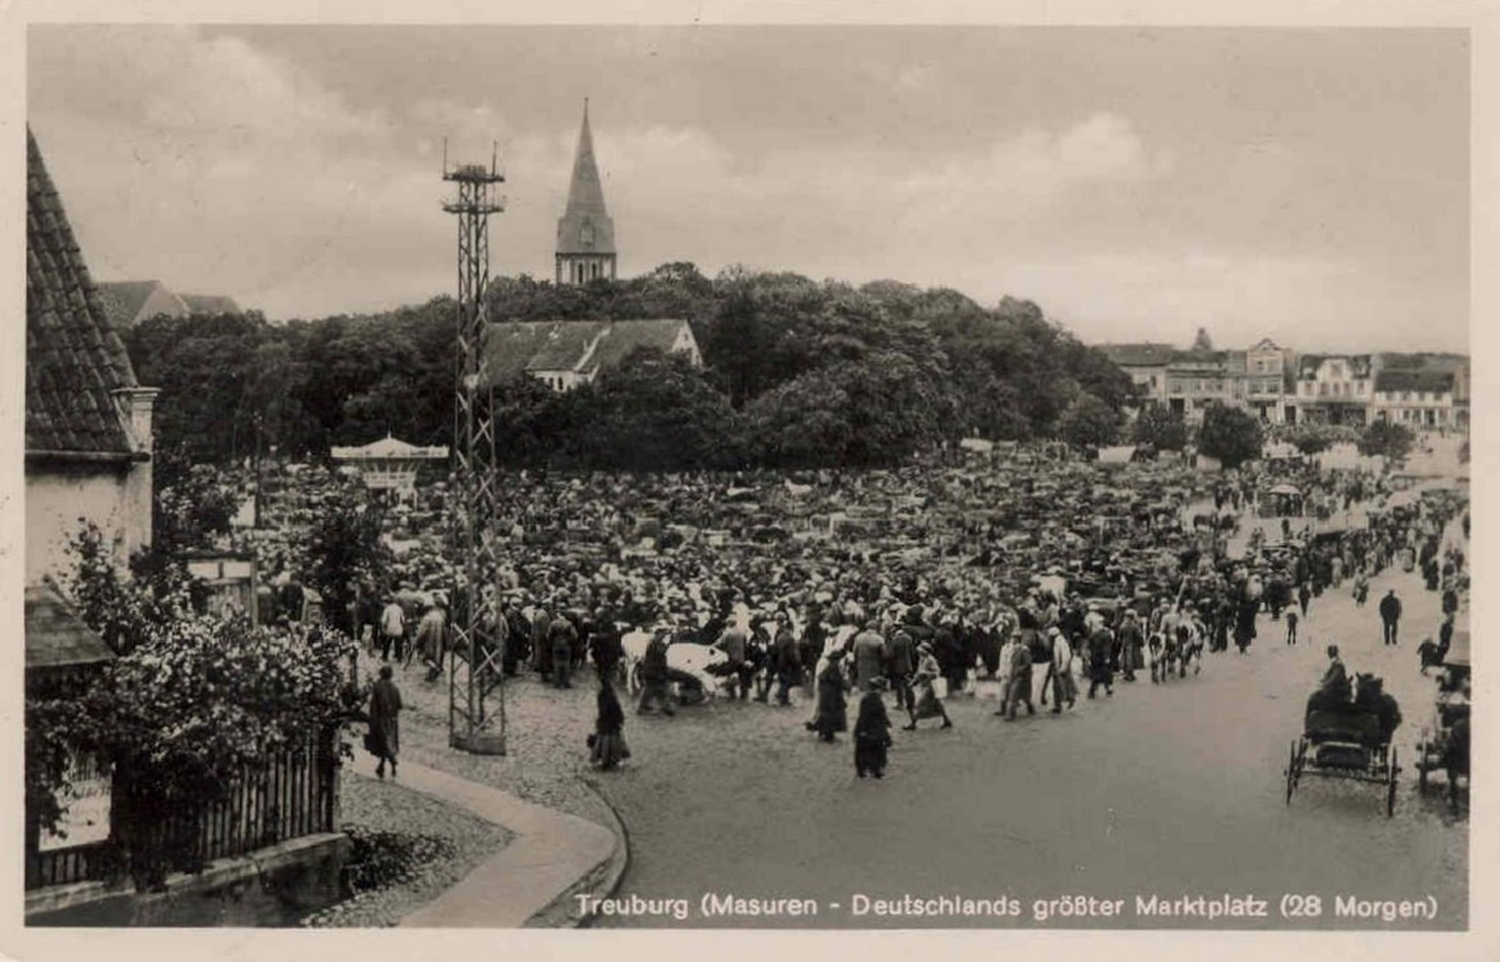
pixel 878 410
pixel 342 551
pixel 1388 440
pixel 1314 438
pixel 657 412
pixel 1159 427
pixel 1089 423
pixel 234 385
pixel 190 512
pixel 1202 342
pixel 1230 435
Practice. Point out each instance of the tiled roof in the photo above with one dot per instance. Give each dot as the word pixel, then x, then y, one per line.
pixel 622 337
pixel 74 358
pixel 55 635
pixel 1199 359
pixel 510 346
pixel 565 346
pixel 123 300
pixel 1144 354
pixel 1423 362
pixel 583 346
pixel 210 304
pixel 1407 380
pixel 1359 364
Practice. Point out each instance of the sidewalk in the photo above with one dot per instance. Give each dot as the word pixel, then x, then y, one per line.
pixel 550 853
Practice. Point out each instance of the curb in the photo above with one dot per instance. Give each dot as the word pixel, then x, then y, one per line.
pixel 496 893
pixel 602 881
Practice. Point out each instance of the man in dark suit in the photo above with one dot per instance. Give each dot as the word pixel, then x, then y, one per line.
pixel 900 662
pixel 1390 615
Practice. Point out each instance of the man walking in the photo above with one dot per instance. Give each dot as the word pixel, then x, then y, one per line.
pixel 654 676
pixel 1100 644
pixel 786 660
pixel 902 662
pixel 1390 615
pixel 734 643
pixel 1131 643
pixel 563 638
pixel 432 636
pixel 384 738
pixel 392 630
pixel 1291 627
pixel 869 655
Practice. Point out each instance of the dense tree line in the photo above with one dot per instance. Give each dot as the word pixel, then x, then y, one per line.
pixel 796 373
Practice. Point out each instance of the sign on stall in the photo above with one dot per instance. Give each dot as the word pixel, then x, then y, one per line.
pixel 86 805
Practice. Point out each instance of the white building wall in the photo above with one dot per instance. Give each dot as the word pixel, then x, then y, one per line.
pixel 117 498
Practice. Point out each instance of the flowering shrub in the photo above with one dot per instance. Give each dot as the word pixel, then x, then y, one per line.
pixel 190 700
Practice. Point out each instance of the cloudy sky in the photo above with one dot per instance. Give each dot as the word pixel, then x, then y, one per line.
pixel 1309 185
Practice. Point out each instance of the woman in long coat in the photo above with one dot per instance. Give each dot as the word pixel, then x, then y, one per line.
pixel 872 732
pixel 833 709
pixel 608 744
pixel 384 740
pixel 928 705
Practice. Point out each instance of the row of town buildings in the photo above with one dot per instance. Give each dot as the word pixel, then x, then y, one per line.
pixel 1280 386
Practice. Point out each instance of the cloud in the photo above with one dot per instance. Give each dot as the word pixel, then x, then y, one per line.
pixel 1040 165
pixel 912 77
pixel 225 169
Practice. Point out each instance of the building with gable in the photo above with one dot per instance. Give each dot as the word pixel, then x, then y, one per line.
pixel 585 232
pixel 1418 399
pixel 1146 363
pixel 88 421
pixel 129 302
pixel 1336 389
pixel 1265 382
pixel 1189 382
pixel 565 354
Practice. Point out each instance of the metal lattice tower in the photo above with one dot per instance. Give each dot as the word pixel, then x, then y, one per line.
pixel 476 700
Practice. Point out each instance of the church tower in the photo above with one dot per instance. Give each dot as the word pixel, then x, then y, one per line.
pixel 585 233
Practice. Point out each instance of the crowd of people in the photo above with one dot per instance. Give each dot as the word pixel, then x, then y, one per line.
pixel 904 586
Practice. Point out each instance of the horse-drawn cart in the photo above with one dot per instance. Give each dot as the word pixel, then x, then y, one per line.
pixel 1346 744
pixel 1444 745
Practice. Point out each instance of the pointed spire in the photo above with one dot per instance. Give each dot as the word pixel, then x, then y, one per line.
pixel 585 226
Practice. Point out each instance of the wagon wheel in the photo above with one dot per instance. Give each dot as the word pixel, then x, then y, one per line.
pixel 1291 772
pixel 1392 771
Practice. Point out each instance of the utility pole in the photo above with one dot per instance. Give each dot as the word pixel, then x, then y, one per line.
pixel 476 700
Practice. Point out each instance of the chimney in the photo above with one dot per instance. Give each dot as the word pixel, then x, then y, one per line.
pixel 136 405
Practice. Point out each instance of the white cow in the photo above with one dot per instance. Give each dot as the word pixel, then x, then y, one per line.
pixel 840 639
pixel 685 657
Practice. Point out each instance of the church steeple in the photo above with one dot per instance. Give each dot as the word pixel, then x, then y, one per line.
pixel 585 232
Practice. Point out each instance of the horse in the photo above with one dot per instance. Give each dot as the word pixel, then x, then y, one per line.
pixel 1455 760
